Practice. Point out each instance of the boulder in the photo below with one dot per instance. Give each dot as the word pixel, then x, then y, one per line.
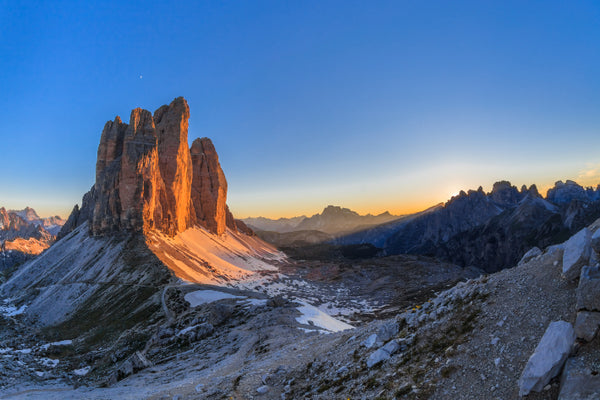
pixel 596 241
pixel 578 383
pixel 135 363
pixel 262 389
pixel 588 291
pixel 586 325
pixel 197 332
pixel 377 356
pixel 548 358
pixel 388 330
pixel 370 341
pixel 577 251
pixel 392 346
pixel 531 254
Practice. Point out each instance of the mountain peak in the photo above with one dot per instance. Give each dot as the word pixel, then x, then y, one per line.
pixel 337 210
pixel 147 178
pixel 503 193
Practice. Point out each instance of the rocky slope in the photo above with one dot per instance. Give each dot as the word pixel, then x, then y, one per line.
pixel 195 306
pixel 488 230
pixel 472 341
pixel 156 216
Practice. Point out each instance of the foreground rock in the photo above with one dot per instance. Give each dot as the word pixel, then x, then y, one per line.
pixel 588 291
pixel 578 382
pixel 577 251
pixel 586 325
pixel 549 356
pixel 534 252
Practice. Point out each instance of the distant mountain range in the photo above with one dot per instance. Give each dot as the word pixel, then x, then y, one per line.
pixel 334 220
pixel 23 234
pixel 488 230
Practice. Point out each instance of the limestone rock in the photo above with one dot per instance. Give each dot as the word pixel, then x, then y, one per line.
pixel 175 165
pixel 71 223
pixel 548 358
pixel 388 330
pixel 588 291
pixel 564 193
pixel 370 341
pixel 586 325
pixel 392 346
pixel 209 186
pixel 240 226
pixel 596 241
pixel 578 383
pixel 504 193
pixel 147 178
pixel 135 363
pixel 376 357
pixel 576 254
pixel 531 254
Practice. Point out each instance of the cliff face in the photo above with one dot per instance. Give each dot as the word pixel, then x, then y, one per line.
pixel 147 177
pixel 209 186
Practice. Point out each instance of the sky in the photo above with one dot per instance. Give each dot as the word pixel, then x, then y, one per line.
pixel 374 106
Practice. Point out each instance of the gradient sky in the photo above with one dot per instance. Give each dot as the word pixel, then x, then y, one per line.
pixel 370 105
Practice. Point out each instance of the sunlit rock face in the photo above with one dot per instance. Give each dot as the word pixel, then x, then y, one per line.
pixel 175 165
pixel 147 177
pixel 209 186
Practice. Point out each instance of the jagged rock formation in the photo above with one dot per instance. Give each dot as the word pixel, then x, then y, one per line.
pixel 565 193
pixel 148 179
pixel 490 231
pixel 24 234
pixel 209 186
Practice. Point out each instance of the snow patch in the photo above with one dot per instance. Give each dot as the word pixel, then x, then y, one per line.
pixel 60 343
pixel 82 371
pixel 207 296
pixel 313 316
pixel 256 302
pixel 11 311
pixel 49 362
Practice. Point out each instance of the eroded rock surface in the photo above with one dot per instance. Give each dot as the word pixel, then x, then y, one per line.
pixel 147 178
pixel 549 356
pixel 209 186
pixel 577 253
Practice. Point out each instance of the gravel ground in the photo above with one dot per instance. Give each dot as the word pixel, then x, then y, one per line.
pixel 469 342
pixel 522 302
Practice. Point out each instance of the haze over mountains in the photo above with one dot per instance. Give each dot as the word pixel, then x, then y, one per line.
pixel 333 220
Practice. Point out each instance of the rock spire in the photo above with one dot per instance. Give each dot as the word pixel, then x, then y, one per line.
pixel 147 177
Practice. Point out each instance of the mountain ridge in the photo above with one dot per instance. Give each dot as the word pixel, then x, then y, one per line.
pixel 442 231
pixel 334 220
pixel 24 234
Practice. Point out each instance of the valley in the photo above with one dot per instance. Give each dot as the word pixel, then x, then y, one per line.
pixel 153 289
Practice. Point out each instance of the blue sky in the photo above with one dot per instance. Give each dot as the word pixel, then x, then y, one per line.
pixel 370 105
